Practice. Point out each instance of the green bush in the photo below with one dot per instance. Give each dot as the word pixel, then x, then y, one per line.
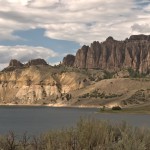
pixel 116 108
pixel 136 74
pixel 97 94
pixel 108 75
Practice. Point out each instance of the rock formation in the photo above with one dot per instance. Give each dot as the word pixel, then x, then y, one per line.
pixel 69 60
pixel 81 57
pixel 114 55
pixel 44 84
pixel 15 63
pixel 37 83
pixel 38 61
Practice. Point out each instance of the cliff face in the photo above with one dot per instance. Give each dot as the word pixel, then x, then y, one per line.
pixel 81 57
pixel 37 83
pixel 114 55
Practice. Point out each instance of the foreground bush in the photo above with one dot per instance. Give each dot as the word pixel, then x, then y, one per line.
pixel 87 135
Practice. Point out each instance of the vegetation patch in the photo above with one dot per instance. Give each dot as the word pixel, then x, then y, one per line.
pixel 116 108
pixel 139 97
pixel 108 75
pixel 136 74
pixel 86 135
pixel 98 94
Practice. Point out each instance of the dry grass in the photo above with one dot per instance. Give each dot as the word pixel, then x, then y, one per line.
pixel 87 135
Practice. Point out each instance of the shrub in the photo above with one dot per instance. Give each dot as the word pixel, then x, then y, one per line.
pixel 136 74
pixel 108 75
pixel 116 108
pixel 103 108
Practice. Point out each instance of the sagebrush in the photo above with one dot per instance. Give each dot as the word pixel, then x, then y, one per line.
pixel 89 134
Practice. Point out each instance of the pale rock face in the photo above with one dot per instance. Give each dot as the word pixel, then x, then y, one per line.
pixel 26 85
pixel 22 92
pixel 51 90
pixel 35 84
pixel 71 81
pixel 34 93
pixel 67 82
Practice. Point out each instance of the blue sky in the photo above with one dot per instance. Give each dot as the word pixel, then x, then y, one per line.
pixel 36 38
pixel 50 29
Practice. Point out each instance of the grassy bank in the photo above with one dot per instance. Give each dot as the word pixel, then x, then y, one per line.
pixel 137 110
pixel 131 110
pixel 86 135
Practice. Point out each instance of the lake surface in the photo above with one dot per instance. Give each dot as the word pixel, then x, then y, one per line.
pixel 37 120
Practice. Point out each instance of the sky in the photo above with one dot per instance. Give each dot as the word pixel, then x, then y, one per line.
pixel 51 29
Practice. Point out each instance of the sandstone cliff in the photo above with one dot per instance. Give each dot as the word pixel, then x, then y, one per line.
pixel 37 83
pixel 114 55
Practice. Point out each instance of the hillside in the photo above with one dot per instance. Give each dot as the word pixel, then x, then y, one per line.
pixel 39 83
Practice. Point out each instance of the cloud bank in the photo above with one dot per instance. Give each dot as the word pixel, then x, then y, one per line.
pixel 23 53
pixel 75 20
pixel 82 21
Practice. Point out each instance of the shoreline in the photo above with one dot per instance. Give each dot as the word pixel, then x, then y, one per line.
pixel 49 105
pixel 107 111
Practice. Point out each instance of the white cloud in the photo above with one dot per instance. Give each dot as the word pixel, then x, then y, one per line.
pixel 43 3
pixel 76 20
pixel 147 8
pixel 82 21
pixel 22 2
pixel 55 63
pixel 23 53
pixel 141 28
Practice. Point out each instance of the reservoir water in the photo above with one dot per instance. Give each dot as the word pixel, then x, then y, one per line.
pixel 35 120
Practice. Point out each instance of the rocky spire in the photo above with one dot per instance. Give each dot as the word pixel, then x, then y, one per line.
pixel 114 55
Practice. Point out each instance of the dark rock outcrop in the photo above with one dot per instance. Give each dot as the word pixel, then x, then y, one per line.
pixel 139 37
pixel 114 55
pixel 15 63
pixel 69 60
pixel 35 62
